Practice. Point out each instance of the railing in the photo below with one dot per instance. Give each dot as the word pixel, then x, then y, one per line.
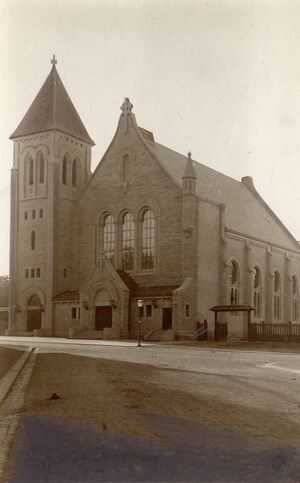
pixel 201 332
pixel 285 332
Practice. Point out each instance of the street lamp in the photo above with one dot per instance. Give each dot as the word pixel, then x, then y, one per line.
pixel 140 309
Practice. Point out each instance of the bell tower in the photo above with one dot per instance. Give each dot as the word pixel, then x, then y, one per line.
pixel 51 166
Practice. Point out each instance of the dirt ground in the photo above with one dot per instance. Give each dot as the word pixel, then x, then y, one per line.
pixel 111 395
pixel 121 421
pixel 8 357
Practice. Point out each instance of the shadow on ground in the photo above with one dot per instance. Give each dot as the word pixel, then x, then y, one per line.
pixel 52 450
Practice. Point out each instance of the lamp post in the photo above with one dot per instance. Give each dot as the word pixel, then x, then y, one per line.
pixel 140 309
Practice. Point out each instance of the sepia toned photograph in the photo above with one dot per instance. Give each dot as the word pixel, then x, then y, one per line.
pixel 150 241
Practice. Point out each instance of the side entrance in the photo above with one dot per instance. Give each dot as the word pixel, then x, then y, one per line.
pixel 103 317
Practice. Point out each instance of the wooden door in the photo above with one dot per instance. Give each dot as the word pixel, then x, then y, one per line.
pixel 34 319
pixel 167 318
pixel 103 317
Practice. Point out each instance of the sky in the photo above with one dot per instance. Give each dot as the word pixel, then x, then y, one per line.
pixel 218 78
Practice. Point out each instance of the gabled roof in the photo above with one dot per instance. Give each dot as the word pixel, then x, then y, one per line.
pixel 52 109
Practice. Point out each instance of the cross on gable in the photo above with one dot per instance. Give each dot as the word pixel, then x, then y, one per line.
pixel 126 107
pixel 53 60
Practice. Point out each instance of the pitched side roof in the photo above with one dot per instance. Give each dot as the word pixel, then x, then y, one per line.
pixel 52 108
pixel 246 212
pixel 68 296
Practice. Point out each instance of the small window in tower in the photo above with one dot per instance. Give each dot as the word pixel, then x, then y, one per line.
pixel 64 170
pixel 32 273
pixel 38 272
pixel 25 215
pixel 41 167
pixel 74 173
pixel 33 214
pixel 31 171
pixel 148 310
pixel 64 272
pixel 26 273
pixel 187 310
pixel 41 212
pixel 32 240
pixel 73 313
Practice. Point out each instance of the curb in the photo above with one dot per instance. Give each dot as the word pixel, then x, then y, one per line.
pixel 11 375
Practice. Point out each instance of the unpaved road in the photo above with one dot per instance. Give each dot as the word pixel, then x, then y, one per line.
pixel 159 413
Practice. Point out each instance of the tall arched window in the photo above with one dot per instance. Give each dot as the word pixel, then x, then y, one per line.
pixel 257 292
pixel 148 240
pixel 294 298
pixel 32 240
pixel 128 242
pixel 276 296
pixel 64 170
pixel 74 173
pixel 234 283
pixel 41 167
pixel 109 237
pixel 31 170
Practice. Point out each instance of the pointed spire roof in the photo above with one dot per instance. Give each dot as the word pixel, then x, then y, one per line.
pixel 52 109
pixel 189 171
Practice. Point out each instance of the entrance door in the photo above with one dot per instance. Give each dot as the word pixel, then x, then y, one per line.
pixel 34 319
pixel 167 318
pixel 103 317
pixel 221 331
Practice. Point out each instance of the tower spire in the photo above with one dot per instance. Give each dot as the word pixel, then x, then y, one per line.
pixel 189 176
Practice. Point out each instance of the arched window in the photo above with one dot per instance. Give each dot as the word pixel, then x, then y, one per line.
pixel 64 170
pixel 31 170
pixel 234 283
pixel 294 298
pixel 257 292
pixel 74 173
pixel 109 237
pixel 41 167
pixel 148 240
pixel 32 240
pixel 276 296
pixel 128 242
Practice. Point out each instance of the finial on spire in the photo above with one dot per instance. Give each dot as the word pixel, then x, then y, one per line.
pixel 126 107
pixel 189 154
pixel 53 60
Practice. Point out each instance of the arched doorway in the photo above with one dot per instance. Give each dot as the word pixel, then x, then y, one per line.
pixel 103 310
pixel 34 313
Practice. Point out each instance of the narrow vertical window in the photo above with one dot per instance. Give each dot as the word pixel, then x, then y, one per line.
pixel 277 296
pixel 148 240
pixel 41 167
pixel 125 168
pixel 234 283
pixel 109 237
pixel 257 292
pixel 30 171
pixel 38 272
pixel 295 298
pixel 64 170
pixel 128 242
pixel 74 173
pixel 32 240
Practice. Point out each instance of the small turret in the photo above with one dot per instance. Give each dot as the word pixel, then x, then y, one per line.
pixel 189 177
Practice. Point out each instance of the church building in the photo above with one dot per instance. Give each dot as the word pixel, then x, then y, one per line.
pixel 148 224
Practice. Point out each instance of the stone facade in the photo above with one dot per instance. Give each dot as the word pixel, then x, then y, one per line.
pixel 148 224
